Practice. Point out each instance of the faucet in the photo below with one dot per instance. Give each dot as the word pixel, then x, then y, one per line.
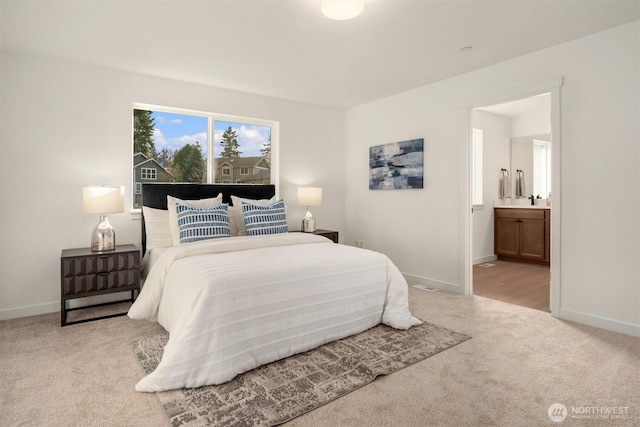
pixel 533 200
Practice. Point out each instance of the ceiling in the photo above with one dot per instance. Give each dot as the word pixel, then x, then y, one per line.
pixel 287 49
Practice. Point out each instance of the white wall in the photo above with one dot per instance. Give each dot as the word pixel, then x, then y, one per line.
pixel 531 124
pixel 66 125
pixel 496 133
pixel 600 174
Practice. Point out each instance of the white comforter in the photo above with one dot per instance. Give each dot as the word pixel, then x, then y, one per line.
pixel 231 305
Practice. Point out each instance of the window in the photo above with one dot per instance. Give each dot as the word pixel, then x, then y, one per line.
pixel 476 152
pixel 194 146
pixel 542 168
pixel 148 173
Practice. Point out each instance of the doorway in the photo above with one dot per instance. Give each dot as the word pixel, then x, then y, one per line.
pixel 513 134
pixel 551 89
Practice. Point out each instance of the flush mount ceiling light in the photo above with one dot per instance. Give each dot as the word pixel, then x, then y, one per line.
pixel 341 10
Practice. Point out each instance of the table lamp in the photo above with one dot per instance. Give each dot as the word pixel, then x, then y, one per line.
pixel 103 200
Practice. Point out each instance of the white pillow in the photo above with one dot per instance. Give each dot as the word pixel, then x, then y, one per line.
pixel 173 215
pixel 236 219
pixel 156 224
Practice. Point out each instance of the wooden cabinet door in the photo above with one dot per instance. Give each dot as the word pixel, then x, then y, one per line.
pixel 506 237
pixel 532 239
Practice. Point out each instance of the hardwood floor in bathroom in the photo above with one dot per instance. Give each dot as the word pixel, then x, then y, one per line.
pixel 516 283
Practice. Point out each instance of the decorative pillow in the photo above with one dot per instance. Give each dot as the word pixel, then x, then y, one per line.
pixel 202 223
pixel 156 224
pixel 236 218
pixel 173 218
pixel 260 220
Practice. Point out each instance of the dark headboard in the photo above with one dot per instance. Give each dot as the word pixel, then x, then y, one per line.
pixel 155 195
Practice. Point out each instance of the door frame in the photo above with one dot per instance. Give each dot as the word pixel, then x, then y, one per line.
pixel 552 86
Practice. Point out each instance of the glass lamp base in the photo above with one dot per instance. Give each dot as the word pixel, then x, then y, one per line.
pixel 103 238
pixel 308 222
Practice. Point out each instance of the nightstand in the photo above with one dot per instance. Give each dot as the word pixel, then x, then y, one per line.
pixel 84 273
pixel 329 234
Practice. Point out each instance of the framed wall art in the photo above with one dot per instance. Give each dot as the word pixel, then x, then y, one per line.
pixel 398 165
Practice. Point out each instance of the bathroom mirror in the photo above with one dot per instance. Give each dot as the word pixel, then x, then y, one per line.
pixel 532 155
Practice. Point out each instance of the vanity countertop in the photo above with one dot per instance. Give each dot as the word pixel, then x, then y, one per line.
pixel 522 207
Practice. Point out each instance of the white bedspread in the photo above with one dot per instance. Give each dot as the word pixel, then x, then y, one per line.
pixel 231 305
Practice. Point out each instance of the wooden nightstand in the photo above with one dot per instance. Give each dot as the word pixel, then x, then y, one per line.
pixel 84 274
pixel 329 234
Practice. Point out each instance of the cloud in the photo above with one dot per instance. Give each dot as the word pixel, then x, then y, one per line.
pixel 175 144
pixel 158 138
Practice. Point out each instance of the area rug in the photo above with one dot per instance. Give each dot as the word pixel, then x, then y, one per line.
pixel 278 392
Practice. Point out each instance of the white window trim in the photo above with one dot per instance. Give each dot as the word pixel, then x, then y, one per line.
pixel 153 172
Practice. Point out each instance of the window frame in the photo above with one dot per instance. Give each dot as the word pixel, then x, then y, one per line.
pixel 148 172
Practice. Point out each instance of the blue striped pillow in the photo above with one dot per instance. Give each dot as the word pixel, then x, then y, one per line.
pixel 260 220
pixel 202 223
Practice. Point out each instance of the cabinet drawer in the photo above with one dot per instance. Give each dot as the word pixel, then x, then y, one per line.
pixel 520 213
pixel 79 266
pixel 90 283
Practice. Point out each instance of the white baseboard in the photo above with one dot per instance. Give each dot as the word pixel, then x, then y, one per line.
pixel 32 310
pixel 600 322
pixel 484 259
pixel 432 283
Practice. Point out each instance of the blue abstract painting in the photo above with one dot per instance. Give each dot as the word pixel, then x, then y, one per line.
pixel 398 165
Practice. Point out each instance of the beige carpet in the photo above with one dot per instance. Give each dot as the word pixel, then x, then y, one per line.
pixel 519 362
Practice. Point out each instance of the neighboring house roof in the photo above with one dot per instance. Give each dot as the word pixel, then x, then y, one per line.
pixel 147 160
pixel 242 162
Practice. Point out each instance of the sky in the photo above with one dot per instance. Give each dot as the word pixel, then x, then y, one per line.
pixel 175 130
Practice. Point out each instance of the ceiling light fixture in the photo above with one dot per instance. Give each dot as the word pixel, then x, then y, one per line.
pixel 341 10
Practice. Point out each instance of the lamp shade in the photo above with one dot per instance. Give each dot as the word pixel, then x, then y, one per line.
pixel 309 196
pixel 103 200
pixel 341 10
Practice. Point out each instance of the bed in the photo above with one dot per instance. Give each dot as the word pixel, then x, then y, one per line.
pixel 250 292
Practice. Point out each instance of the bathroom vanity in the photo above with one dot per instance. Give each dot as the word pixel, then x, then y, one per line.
pixel 522 233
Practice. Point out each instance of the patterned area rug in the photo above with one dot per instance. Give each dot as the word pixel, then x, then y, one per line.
pixel 280 391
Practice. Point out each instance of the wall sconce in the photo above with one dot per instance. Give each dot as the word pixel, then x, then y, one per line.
pixel 309 196
pixel 103 200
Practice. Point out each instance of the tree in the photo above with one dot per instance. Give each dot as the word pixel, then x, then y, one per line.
pixel 230 144
pixel 143 125
pixel 266 148
pixel 188 164
pixel 165 157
